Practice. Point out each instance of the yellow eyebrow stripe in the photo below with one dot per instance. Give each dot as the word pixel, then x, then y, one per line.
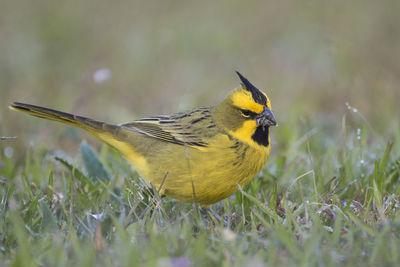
pixel 244 100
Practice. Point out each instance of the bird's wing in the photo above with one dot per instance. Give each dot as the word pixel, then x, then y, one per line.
pixel 192 129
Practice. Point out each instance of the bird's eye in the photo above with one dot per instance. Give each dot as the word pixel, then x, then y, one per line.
pixel 246 112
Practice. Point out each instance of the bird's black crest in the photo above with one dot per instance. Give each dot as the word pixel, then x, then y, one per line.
pixel 257 95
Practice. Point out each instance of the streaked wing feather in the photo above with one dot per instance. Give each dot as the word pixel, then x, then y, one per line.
pixel 180 128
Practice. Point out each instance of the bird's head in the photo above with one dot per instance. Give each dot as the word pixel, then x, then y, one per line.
pixel 246 114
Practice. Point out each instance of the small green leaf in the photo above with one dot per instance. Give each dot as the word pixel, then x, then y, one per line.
pixel 48 220
pixel 93 165
pixel 75 171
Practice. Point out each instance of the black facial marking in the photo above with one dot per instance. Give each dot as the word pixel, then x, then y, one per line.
pixel 248 114
pixel 261 136
pixel 257 95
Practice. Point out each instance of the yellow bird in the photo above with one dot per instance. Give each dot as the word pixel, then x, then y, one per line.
pixel 201 155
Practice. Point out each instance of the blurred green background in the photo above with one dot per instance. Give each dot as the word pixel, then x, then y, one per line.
pixel 311 57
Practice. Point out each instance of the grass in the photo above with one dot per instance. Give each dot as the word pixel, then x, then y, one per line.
pixel 328 195
pixel 323 199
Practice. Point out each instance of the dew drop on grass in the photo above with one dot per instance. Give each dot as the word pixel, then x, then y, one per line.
pixel 99 216
pixel 350 107
pixel 9 152
pixel 359 134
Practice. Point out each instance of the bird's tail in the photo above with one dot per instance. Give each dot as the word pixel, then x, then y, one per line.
pixel 92 126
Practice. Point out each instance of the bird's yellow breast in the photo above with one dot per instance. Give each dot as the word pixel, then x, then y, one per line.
pixel 205 175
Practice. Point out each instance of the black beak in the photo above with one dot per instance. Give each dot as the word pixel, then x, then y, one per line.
pixel 266 118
